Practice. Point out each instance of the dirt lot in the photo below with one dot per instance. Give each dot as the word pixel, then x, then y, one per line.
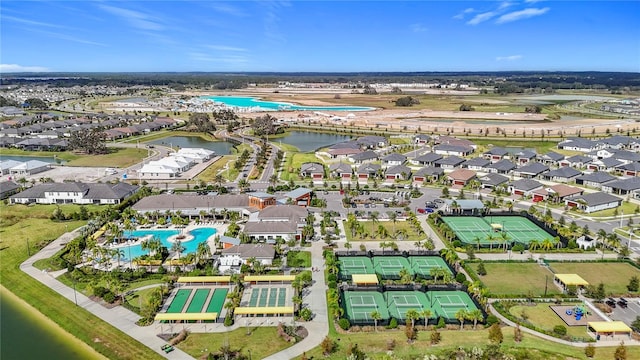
pixel 68 173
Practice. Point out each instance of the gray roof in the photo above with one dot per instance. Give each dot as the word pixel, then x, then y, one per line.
pixel 366 155
pixel 526 154
pixel 453 148
pixel 598 198
pixel 578 143
pixel 428 157
pixel 296 193
pixel 552 155
pixel 563 172
pixel 398 169
pixel 394 157
pixel 185 201
pixel 312 167
pixel 466 204
pixel 6 186
pixel 496 150
pixel 618 140
pixel 371 140
pixel 429 171
pixel 610 162
pixel 340 168
pixel 8 164
pixel 632 183
pixel 502 165
pixel 493 179
pixel 482 162
pixel 450 160
pixel 346 145
pixel 625 155
pixel 270 227
pixel 292 212
pixel 634 166
pixel 533 168
pixel 246 251
pixel 229 240
pixel 579 159
pixel 422 137
pixel 597 177
pixel 369 168
pixel 90 191
pixel 525 184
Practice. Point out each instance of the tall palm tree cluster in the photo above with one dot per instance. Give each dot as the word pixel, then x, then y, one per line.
pixel 380 230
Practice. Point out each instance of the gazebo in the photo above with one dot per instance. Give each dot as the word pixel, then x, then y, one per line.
pixel 609 328
pixel 566 280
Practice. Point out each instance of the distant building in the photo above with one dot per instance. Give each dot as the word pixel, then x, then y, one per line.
pixel 75 193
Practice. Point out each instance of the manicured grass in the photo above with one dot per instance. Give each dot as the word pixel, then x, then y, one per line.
pixel 210 172
pixel 371 228
pixel 299 258
pixel 614 275
pixel 292 163
pixel 541 315
pixel 626 208
pixel 64 155
pixel 541 147
pixel 117 157
pixel 517 279
pixel 166 133
pixel 262 341
pixel 18 223
pixel 287 147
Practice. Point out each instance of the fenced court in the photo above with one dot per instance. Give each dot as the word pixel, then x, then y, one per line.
pixel 354 265
pixel 197 301
pixel 388 267
pixel 487 231
pixel 400 302
pixel 178 302
pixel 360 304
pixel 421 265
pixel 447 303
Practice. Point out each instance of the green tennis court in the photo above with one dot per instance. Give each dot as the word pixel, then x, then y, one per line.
pixel 400 302
pixel 360 304
pixel 488 231
pixel 421 265
pixel 178 302
pixel 350 265
pixel 447 303
pixel 217 301
pixel 198 300
pixel 388 267
pixel 282 296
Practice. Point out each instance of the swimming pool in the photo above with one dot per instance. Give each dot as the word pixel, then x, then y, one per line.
pixel 199 235
pixel 250 102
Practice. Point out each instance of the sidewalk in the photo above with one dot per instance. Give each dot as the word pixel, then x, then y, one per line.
pixel 118 317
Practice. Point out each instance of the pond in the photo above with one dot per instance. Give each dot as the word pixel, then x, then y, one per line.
pixel 220 147
pixel 307 141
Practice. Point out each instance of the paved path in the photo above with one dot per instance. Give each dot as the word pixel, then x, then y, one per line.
pixel 119 317
pixel 317 301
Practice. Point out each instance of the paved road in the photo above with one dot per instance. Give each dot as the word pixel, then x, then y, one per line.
pixel 118 316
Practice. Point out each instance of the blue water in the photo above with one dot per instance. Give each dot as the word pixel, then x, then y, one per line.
pixel 307 141
pixel 249 102
pixel 199 235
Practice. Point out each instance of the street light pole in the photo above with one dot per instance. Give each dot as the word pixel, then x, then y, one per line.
pixel 75 296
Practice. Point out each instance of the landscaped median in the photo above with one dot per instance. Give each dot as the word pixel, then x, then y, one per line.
pixel 20 224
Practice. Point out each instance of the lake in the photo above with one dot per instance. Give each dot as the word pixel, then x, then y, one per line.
pixel 49 159
pixel 22 336
pixel 308 141
pixel 254 103
pixel 220 147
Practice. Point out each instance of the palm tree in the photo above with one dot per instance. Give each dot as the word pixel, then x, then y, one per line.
pixel 203 252
pixel 375 315
pixel 534 244
pixel 273 179
pixel 383 245
pixel 405 276
pixel 393 216
pixel 218 179
pixel 347 245
pixel 426 314
pixel 412 315
pixel 602 235
pixel 504 236
pixel 243 184
pixel 382 231
pixel 477 240
pixel 178 248
pixel 118 253
pixel 490 239
pixel 461 315
pixel 402 234
pixel 475 315
pixel 373 217
pixel 546 245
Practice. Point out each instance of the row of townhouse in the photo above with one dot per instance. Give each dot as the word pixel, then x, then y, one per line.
pixel 617 142
pixel 174 164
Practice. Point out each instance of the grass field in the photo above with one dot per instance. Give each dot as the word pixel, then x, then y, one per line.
pixel 299 259
pixel 371 228
pixel 614 276
pixel 18 223
pixel 626 208
pixel 117 157
pixel 292 163
pixel 517 279
pixel 262 341
pixel 210 172
pixel 543 317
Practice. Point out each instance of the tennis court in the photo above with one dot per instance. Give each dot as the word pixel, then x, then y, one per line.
pixel 217 300
pixel 421 265
pixel 487 231
pixel 388 267
pixel 198 300
pixel 354 265
pixel 447 303
pixel 178 302
pixel 400 302
pixel 360 304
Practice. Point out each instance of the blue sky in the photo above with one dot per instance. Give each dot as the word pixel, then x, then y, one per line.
pixel 323 36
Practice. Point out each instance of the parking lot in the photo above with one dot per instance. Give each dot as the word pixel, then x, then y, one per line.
pixel 626 314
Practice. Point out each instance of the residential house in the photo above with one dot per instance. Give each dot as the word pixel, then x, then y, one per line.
pixel 372 141
pixel 313 170
pixel 8 188
pixel 427 159
pixel 393 159
pixel 398 172
pixel 476 164
pixel 619 142
pixel 427 174
pixel 531 170
pixel 563 174
pixel 29 168
pixel 450 140
pixel 75 193
pixel 607 164
pixel 578 144
pixel 630 169
pixel 550 158
pixel 341 171
pixel 628 186
pixel 503 166
pixel 594 202
pixel 421 139
pixel 577 161
pixel 461 177
pixel 525 157
pixel 491 180
pixel 496 154
pixel 450 162
pixel 233 258
pixel 595 179
pixel 524 187
pixel 364 157
pixel 7 165
pixel 557 193
pixel 626 156
pixel 446 149
pixel 367 171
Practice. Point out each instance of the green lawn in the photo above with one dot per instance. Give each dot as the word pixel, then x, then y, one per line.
pixel 117 158
pixel 262 341
pixel 517 279
pixel 292 163
pixel 541 316
pixel 210 172
pixel 64 155
pixel 19 223
pixel 299 259
pixel 626 208
pixel 614 275
pixel 371 228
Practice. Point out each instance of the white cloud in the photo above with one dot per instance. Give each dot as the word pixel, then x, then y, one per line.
pixel 509 58
pixel 532 1
pixel 66 37
pixel 482 17
pixel 31 22
pixel 464 12
pixel 521 14
pixel 418 28
pixel 227 9
pixel 226 48
pixel 134 18
pixel 11 68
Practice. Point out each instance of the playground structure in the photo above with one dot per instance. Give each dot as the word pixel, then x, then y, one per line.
pixel 578 311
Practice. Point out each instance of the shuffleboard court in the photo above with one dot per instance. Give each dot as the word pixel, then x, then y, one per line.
pixel 264 294
pixel 273 296
pixel 354 265
pixel 448 303
pixel 360 304
pixel 178 302
pixel 282 296
pixel 255 294
pixel 198 300
pixel 217 301
pixel 390 266
pixel 421 265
